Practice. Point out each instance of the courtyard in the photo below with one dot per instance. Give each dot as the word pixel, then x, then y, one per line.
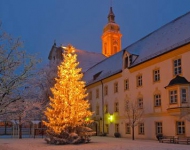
pixel 97 143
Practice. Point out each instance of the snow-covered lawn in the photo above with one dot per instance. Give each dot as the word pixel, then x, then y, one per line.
pixel 97 143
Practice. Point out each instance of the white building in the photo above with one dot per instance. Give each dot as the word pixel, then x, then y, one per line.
pixel 153 71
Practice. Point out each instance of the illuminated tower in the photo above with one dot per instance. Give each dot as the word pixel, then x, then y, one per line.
pixel 111 37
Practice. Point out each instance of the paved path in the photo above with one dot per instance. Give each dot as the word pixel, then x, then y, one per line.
pixel 97 143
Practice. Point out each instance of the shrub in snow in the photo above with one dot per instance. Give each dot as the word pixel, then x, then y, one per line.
pixel 117 134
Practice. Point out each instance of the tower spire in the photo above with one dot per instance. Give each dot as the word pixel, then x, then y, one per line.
pixel 111 37
pixel 111 16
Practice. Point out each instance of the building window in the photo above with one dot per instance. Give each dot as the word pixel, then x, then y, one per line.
pixel 141 128
pixel 115 49
pixel 107 128
pixel 106 108
pixel 158 127
pixel 156 75
pixel 177 66
pixel 126 105
pixel 97 93
pixel 139 80
pixel 116 107
pixel 115 87
pixel 140 103
pixel 127 128
pixel 126 84
pixel 180 125
pixel 97 109
pixel 105 48
pixel 105 90
pixel 157 100
pixel 116 127
pixel 90 95
pixel 183 95
pixel 173 96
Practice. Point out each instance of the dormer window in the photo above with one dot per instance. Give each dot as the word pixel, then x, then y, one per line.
pixel 126 62
pixel 96 75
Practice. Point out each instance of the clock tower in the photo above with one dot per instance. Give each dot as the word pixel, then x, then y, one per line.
pixel 111 37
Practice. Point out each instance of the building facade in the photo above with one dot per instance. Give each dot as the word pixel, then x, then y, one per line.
pixel 153 72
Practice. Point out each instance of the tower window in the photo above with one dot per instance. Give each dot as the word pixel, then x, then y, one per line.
pixel 105 48
pixel 115 49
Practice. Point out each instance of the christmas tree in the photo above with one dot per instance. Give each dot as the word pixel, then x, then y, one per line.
pixel 68 110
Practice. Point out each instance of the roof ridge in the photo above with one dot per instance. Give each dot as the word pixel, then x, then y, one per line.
pixel 158 29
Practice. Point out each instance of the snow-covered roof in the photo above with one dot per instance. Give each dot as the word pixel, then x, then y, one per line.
pixel 104 69
pixel 88 59
pixel 164 39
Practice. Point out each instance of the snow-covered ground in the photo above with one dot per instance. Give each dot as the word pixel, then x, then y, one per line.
pixel 97 143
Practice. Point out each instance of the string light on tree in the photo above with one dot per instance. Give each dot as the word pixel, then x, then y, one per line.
pixel 68 109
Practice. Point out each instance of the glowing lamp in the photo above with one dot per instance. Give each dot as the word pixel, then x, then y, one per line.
pixel 87 119
pixel 111 118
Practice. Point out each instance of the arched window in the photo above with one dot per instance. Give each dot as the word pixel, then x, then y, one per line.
pixel 115 49
pixel 105 48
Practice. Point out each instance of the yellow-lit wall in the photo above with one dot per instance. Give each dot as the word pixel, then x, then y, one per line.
pixel 109 38
pixel 151 113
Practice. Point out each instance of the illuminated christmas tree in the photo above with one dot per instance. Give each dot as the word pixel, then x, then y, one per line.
pixel 68 111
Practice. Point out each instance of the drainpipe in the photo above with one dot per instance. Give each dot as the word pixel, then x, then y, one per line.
pixel 102 107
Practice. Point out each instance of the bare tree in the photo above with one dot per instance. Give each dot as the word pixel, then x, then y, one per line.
pixel 134 114
pixel 16 68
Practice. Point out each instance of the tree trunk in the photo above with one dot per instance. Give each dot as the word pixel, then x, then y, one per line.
pixel 133 132
pixel 20 128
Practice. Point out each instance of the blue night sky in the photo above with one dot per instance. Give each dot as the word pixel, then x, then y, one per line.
pixel 80 22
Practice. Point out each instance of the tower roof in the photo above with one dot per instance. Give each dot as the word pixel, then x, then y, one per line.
pixel 111 25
